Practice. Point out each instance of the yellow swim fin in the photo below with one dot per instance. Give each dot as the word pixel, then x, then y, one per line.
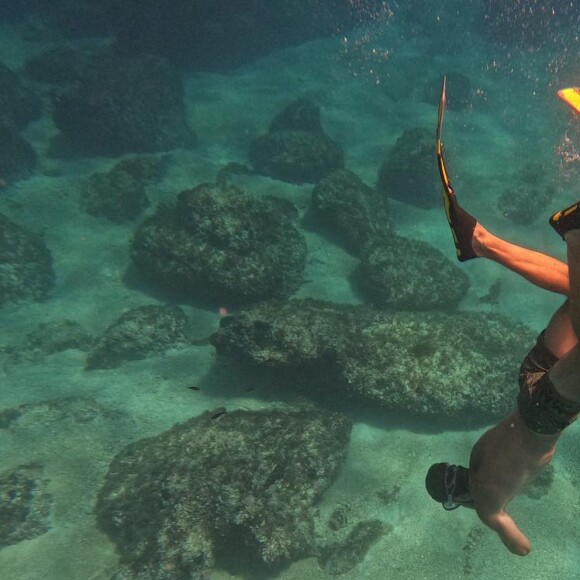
pixel 571 96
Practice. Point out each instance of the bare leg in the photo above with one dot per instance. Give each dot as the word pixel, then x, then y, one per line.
pixel 540 269
pixel 560 337
pixel 566 372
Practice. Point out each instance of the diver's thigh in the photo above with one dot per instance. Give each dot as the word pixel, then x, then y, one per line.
pixel 565 375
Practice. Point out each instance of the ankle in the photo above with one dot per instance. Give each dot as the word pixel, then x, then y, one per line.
pixel 480 239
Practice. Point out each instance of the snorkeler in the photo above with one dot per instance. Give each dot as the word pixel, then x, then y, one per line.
pixel 512 453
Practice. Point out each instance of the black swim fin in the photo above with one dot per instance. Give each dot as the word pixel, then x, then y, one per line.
pixel 462 225
pixel 566 219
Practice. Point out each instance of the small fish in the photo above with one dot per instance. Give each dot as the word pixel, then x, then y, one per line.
pixel 194 388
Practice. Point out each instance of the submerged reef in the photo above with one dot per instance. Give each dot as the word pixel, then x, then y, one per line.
pixel 60 65
pixel 529 199
pixel 119 194
pixel 24 504
pixel 295 148
pixel 408 174
pixel 49 338
pixel 18 104
pixel 350 211
pixel 456 369
pixel 25 264
pixel 220 243
pixel 18 107
pixel 17 156
pixel 140 333
pixel 130 105
pixel 242 480
pixel 407 274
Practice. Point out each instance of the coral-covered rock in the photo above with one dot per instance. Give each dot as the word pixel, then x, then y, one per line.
pixel 119 195
pixel 18 105
pixel 49 338
pixel 405 274
pixel 296 149
pixel 25 264
pixel 123 106
pixel 300 115
pixel 529 199
pixel 24 504
pixel 409 174
pixel 59 65
pixel 245 479
pixel 222 244
pixel 17 157
pixel 140 333
pixel 350 211
pixel 459 368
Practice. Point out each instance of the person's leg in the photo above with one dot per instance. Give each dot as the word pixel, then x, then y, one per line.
pixel 559 336
pixel 472 240
pixel 540 269
pixel 565 375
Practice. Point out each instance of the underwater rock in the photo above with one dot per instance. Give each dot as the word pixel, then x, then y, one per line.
pixel 119 195
pixel 523 205
pixel 300 115
pixel 25 264
pixel 219 243
pixel 407 274
pixel 349 210
pixel 453 369
pixel 140 333
pixel 73 411
pixel 18 104
pixel 409 174
pixel 529 199
pixel 17 156
pixel 296 149
pixel 60 66
pixel 244 481
pixel 131 105
pixel 341 557
pixel 52 337
pixel 24 504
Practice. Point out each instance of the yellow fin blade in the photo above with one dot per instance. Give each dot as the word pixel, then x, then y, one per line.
pixel 572 97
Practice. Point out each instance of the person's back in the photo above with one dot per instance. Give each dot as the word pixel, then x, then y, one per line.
pixel 504 460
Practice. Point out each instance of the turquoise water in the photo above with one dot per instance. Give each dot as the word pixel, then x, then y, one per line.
pixel 377 75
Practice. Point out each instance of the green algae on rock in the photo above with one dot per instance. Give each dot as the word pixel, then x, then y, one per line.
pixel 138 334
pixel 458 368
pixel 25 264
pixel 24 504
pixel 219 243
pixel 406 274
pixel 248 479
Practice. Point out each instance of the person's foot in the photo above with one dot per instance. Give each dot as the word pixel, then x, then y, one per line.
pixel 566 219
pixel 462 225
